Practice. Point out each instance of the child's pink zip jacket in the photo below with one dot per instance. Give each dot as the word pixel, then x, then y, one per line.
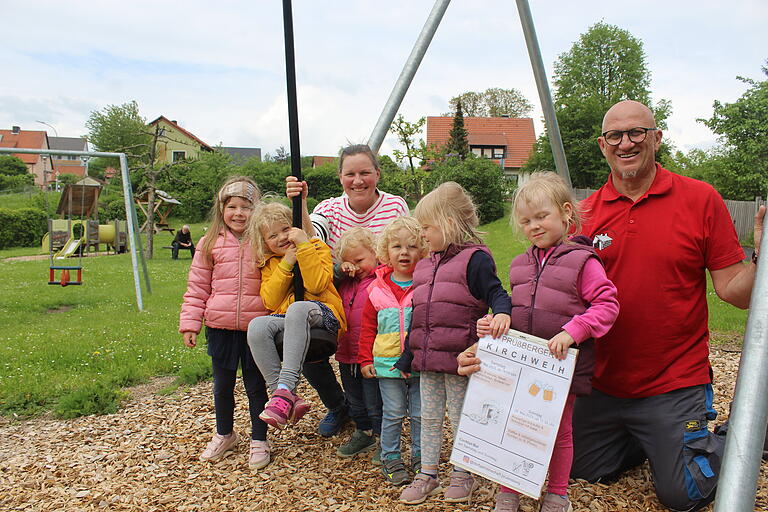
pixel 225 291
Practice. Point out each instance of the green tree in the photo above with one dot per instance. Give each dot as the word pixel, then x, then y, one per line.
pixel 406 133
pixel 493 102
pixel 743 131
pixel 482 178
pixel 606 65
pixel 120 129
pixel 458 143
pixel 14 173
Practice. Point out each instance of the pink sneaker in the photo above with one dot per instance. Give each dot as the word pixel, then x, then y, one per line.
pixel 219 447
pixel 300 408
pixel 461 488
pixel 422 487
pixel 259 455
pixel 554 503
pixel 279 409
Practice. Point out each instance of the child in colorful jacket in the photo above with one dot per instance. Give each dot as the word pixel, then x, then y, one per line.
pixel 386 320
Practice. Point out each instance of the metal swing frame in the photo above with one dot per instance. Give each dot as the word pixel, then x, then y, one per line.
pixel 137 254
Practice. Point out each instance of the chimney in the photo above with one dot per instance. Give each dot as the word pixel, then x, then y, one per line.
pixel 15 130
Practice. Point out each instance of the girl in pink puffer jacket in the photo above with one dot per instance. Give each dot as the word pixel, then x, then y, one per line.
pixel 223 291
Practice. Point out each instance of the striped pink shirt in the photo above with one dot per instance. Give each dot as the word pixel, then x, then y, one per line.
pixel 334 216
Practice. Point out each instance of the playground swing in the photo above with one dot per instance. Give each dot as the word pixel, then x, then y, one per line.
pixel 76 233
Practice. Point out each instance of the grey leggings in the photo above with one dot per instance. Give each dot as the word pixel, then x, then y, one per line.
pixel 439 391
pixel 300 317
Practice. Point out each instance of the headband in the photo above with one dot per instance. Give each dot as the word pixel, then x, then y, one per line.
pixel 237 189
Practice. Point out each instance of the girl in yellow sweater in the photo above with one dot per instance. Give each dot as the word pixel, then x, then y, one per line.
pixel 277 247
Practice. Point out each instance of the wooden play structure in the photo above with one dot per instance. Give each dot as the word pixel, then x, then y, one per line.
pixel 163 207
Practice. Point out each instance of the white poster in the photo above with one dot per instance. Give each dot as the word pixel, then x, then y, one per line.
pixel 512 411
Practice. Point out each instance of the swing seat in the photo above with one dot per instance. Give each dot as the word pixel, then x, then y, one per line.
pixel 65 279
pixel 322 345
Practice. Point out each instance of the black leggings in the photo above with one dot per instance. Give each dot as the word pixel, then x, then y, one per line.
pixel 224 400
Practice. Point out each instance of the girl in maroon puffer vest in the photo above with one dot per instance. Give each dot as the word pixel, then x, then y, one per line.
pixel 560 293
pixel 452 289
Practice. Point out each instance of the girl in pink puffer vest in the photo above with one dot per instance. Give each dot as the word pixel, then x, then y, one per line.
pixel 223 291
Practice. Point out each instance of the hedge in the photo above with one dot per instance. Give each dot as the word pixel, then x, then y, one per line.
pixel 22 228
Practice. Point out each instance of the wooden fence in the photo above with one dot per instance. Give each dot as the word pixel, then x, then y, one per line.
pixel 742 212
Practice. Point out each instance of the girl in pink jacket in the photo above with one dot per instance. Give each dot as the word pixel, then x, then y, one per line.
pixel 223 291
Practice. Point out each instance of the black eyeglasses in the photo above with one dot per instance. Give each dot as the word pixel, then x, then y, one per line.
pixel 636 135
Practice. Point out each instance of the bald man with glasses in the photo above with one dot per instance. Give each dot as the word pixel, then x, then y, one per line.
pixel 657 233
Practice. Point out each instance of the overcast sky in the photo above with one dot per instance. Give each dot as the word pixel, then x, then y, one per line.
pixel 218 67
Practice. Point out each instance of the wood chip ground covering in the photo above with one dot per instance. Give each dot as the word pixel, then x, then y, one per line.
pixel 145 458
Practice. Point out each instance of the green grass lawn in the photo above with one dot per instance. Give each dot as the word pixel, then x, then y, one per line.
pixel 71 349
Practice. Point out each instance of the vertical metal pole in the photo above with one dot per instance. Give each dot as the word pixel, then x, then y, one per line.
pixel 553 129
pixel 293 126
pixel 407 74
pixel 746 426
pixel 133 229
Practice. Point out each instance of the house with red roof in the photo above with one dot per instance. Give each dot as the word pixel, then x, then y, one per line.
pixel 39 165
pixel 506 140
pixel 175 143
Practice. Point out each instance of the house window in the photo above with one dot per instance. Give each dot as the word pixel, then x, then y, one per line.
pixel 178 156
pixel 496 153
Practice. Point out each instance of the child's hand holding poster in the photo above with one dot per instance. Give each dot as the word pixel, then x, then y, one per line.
pixel 512 411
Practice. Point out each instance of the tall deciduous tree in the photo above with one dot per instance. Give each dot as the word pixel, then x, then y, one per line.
pixel 606 65
pixel 458 144
pixel 743 130
pixel 120 129
pixel 493 102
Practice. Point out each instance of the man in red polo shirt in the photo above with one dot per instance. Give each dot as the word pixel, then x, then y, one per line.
pixel 657 234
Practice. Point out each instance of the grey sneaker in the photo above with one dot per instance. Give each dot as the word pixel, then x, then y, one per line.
pixel 555 503
pixel 219 447
pixel 394 471
pixel 359 442
pixel 421 487
pixel 507 502
pixel 461 488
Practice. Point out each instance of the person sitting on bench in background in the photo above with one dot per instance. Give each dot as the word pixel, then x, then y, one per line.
pixel 183 240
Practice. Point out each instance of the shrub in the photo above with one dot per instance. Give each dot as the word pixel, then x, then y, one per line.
pixel 22 228
pixel 481 178
pixel 92 399
pixel 323 182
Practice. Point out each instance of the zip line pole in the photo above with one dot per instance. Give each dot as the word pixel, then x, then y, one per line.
pixel 293 127
pixel 406 75
pixel 550 118
pixel 746 426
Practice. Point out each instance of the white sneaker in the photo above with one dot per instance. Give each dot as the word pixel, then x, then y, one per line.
pixel 219 447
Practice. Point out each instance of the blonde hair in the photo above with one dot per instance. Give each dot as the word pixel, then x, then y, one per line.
pixel 547 185
pixel 451 209
pixel 354 237
pixel 264 218
pixel 217 211
pixel 408 223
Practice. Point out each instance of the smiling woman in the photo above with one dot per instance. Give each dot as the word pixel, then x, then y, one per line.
pixel 362 203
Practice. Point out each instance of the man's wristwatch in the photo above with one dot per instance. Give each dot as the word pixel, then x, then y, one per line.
pixel 754 257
